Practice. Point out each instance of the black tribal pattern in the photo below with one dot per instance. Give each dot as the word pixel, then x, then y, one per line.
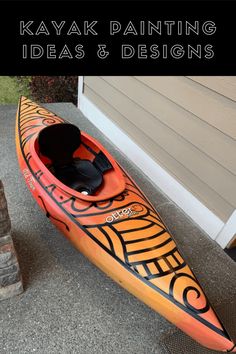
pixel 148 269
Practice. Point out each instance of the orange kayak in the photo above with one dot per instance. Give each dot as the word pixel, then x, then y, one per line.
pixel 101 210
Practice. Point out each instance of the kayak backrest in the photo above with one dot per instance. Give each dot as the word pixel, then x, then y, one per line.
pixel 58 142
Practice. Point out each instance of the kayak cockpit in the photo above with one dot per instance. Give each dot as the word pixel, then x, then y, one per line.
pixel 79 162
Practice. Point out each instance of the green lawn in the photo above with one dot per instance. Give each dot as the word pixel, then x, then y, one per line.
pixel 11 90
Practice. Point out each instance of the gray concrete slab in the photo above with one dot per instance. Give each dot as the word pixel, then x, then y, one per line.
pixel 69 306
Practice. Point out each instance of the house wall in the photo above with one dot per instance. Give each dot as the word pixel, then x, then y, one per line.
pixel 180 131
pixel 187 125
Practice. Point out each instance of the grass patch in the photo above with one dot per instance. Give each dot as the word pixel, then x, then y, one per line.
pixel 11 89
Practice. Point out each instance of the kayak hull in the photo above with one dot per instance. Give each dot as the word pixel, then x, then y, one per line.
pixel 122 235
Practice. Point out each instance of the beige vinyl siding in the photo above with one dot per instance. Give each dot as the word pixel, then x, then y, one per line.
pixel 198 149
pixel 212 108
pixel 225 85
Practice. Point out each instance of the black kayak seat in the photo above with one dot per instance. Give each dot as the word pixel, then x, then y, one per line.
pixel 58 142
